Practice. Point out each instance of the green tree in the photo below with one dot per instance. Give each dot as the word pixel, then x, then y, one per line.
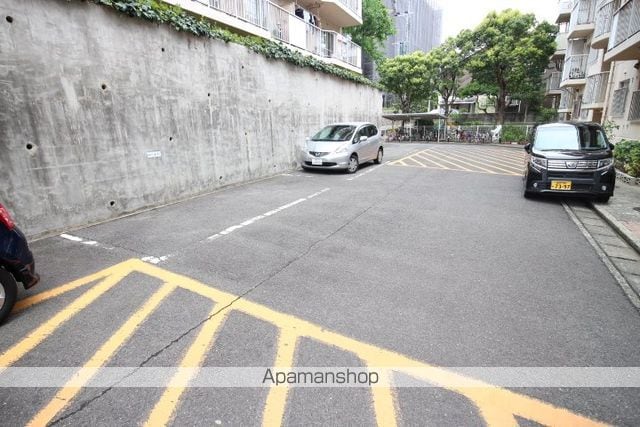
pixel 446 63
pixel 510 51
pixel 376 27
pixel 409 77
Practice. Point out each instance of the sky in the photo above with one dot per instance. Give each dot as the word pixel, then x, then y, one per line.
pixel 461 14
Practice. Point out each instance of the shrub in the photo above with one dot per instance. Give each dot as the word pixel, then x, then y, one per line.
pixel 627 154
pixel 511 133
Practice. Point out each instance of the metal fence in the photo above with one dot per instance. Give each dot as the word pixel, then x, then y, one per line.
pixel 634 108
pixel 471 134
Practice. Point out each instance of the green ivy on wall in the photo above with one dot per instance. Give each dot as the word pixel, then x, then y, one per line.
pixel 176 17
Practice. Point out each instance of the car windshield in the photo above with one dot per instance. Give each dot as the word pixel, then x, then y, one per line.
pixel 570 138
pixel 335 133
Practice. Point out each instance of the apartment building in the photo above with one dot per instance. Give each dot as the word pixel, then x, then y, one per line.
pixel 313 27
pixel 594 73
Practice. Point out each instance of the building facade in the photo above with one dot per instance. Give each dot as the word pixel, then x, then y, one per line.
pixel 312 27
pixel 418 25
pixel 593 75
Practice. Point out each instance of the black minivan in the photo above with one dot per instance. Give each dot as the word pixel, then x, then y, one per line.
pixel 570 158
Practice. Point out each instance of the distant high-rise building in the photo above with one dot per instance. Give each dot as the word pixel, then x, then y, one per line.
pixel 418 25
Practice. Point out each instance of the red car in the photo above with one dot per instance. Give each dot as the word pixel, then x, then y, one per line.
pixel 16 263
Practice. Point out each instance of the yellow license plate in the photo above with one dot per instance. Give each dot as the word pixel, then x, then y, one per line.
pixel 561 185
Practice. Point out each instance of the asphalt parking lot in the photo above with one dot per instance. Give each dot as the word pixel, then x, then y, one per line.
pixel 432 261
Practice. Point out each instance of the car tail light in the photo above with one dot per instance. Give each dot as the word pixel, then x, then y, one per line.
pixel 5 218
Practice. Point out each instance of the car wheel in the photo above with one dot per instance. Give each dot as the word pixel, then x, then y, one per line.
pixel 8 293
pixel 603 199
pixel 353 164
pixel 378 159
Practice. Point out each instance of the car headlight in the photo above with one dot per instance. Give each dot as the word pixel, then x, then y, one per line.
pixel 539 162
pixel 342 149
pixel 604 163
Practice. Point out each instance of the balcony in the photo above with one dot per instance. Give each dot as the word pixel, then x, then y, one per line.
pixel 564 11
pixel 265 19
pixel 552 86
pixel 575 71
pixel 566 102
pixel 582 22
pixel 624 40
pixel 595 92
pixel 340 13
pixel 604 20
pixel 561 45
pixel 634 108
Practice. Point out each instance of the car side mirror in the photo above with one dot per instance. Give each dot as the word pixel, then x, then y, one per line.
pixel 612 147
pixel 527 148
pixel 363 138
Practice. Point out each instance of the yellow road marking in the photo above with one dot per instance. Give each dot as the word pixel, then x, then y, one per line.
pixel 164 410
pixel 492 159
pixel 277 399
pixel 43 331
pixel 101 357
pixel 497 406
pixel 421 155
pixel 459 159
pixel 505 156
pixel 472 163
pixel 441 159
pixel 383 400
pixel 413 159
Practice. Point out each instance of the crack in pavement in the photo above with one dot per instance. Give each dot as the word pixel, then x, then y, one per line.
pixel 88 402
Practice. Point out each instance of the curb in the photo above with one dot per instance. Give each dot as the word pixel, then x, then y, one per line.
pixel 617 225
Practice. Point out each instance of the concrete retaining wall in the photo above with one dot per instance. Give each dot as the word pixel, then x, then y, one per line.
pixel 102 114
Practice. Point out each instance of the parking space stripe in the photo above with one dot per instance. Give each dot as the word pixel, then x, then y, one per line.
pixel 64 396
pixel 441 159
pixel 472 163
pixel 276 404
pixel 165 409
pixel 490 159
pixel 27 344
pixel 495 405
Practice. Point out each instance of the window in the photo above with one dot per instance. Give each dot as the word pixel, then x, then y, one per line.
pixel 335 133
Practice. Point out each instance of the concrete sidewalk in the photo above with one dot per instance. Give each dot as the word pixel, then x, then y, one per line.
pixel 623 212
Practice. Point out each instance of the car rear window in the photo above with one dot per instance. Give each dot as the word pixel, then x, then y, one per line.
pixel 335 133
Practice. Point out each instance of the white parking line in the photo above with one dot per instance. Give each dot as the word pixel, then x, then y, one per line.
pixel 364 173
pixel 81 240
pixel 250 221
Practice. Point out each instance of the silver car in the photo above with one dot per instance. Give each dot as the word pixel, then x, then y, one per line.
pixel 343 146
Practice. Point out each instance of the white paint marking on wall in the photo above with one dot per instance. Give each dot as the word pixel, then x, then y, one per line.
pixel 154 154
pixel 250 221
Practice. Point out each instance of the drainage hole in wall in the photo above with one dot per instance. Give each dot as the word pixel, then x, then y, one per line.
pixel 29 146
pixel 103 86
pixel 208 94
pixel 637 209
pixel 162 49
pixel 9 19
pixel 269 100
pixel 170 138
pixel 220 177
pixel 112 203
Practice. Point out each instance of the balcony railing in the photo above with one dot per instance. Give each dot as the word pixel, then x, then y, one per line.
pixel 566 100
pixel 354 5
pixel 634 108
pixel 594 55
pixel 583 13
pixel 575 67
pixel 289 28
pixel 596 88
pixel 626 23
pixel 553 81
pixel 619 102
pixel 604 17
